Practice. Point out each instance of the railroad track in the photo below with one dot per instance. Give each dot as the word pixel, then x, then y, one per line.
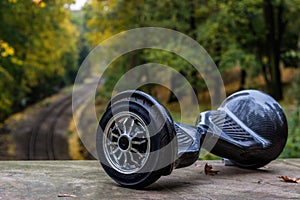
pixel 47 139
pixel 41 139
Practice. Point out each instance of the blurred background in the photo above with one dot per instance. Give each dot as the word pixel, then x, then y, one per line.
pixel 254 43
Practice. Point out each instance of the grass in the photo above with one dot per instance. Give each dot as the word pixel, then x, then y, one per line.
pixel 292 148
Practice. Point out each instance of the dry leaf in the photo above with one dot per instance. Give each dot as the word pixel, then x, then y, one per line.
pixel 67 195
pixel 290 180
pixel 208 169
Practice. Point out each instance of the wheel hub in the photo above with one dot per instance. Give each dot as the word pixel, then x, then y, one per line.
pixel 126 142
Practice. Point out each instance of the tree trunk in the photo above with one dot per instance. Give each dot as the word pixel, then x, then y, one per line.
pixel 243 79
pixel 193 29
pixel 273 22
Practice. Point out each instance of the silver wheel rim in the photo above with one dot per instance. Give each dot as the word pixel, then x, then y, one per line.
pixel 126 142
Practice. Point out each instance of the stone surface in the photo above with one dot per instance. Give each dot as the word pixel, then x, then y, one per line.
pixel 87 180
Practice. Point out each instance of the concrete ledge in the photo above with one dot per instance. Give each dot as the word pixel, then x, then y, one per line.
pixel 87 180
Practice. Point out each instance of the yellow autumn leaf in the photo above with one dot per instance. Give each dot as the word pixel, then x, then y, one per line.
pixel 10 51
pixel 4 45
pixel 265 59
pixel 3 54
pixel 6 50
pixel 42 4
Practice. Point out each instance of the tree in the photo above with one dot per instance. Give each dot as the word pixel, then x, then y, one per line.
pixel 277 16
pixel 248 33
pixel 274 31
pixel 44 51
pixel 105 18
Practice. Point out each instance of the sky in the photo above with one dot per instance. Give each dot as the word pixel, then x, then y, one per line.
pixel 78 4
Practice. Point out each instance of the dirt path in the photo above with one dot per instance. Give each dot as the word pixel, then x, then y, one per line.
pixel 42 132
pixel 45 136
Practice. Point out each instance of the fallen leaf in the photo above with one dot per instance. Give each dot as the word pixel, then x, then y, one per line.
pixel 67 195
pixel 290 180
pixel 208 169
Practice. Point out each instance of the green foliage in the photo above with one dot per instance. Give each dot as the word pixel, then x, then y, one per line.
pixel 254 36
pixel 292 148
pixel 229 32
pixel 113 73
pixel 105 18
pixel 294 90
pixel 210 156
pixel 233 32
pixel 38 51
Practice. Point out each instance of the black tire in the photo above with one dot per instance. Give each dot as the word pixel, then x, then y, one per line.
pixel 134 136
pixel 254 165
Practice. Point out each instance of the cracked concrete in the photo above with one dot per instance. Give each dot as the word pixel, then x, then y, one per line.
pixel 87 180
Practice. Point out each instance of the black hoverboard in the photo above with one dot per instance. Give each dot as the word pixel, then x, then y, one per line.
pixel 138 142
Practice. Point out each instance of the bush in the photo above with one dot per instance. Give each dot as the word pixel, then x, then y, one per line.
pixel 292 148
